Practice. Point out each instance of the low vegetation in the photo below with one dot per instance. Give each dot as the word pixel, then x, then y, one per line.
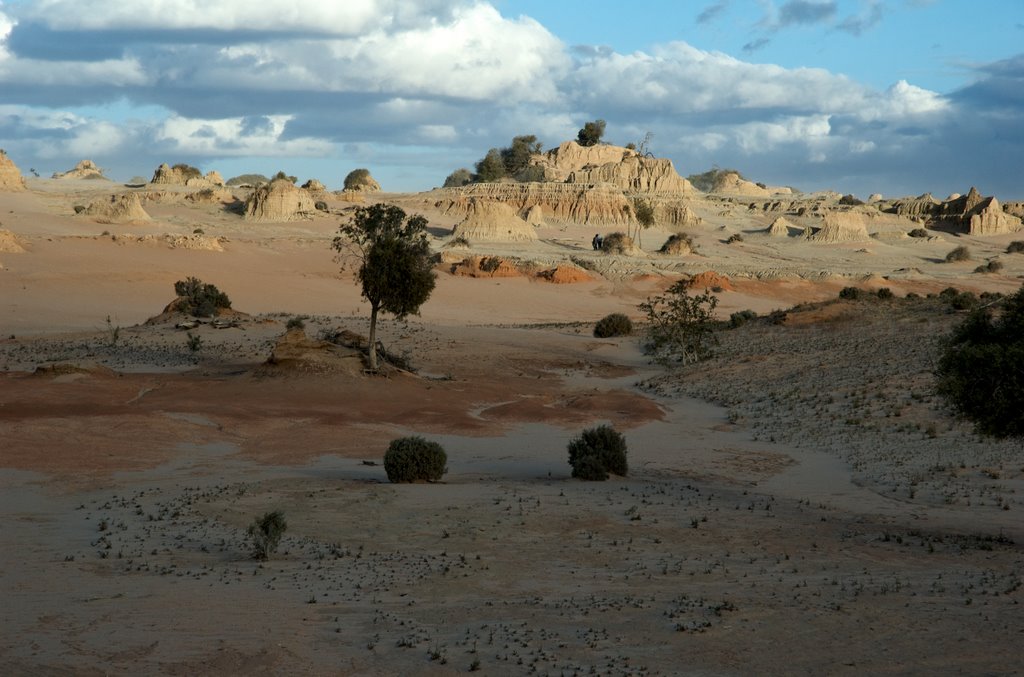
pixel 741 317
pixel 598 452
pixel 678 244
pixel 1015 247
pixel 199 298
pixel 711 180
pixel 187 171
pixel 248 180
pixel 981 370
pixel 412 459
pixel 357 178
pixel 617 243
pixel 265 534
pixel 615 324
pixel 961 253
pixel 992 266
pixel 591 133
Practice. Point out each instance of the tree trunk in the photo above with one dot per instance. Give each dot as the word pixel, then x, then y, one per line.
pixel 373 337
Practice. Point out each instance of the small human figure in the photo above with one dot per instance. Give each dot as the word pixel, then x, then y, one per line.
pixel 597 241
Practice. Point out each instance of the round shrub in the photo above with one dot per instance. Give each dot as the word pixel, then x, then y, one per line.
pixel 918 232
pixel 409 459
pixel 1015 247
pixel 617 243
pixel 741 317
pixel 598 452
pixel 851 293
pixel 678 244
pixel 885 293
pixel 615 324
pixel 961 253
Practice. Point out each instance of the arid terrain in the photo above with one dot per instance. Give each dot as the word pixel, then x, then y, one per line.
pixel 801 503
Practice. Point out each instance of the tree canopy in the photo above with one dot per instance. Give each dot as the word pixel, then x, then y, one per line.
pixel 591 133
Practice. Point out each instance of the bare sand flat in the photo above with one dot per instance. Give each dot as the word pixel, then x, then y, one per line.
pixel 801 503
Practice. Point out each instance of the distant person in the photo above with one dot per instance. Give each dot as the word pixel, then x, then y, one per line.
pixel 596 242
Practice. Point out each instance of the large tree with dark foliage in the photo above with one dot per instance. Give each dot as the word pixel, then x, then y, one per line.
pixel 981 370
pixel 394 260
pixel 591 133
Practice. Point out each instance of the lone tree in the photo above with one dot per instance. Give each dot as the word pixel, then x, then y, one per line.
pixel 681 327
pixel 981 371
pixel 394 262
pixel 591 133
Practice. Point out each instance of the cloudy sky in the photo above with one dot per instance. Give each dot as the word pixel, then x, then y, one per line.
pixel 893 96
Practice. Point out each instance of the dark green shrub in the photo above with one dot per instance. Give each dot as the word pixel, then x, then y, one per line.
pixel 850 293
pixel 963 301
pixel 1015 247
pixel 981 370
pixel 885 293
pixel 777 317
pixel 198 298
pixel 711 180
pixel 591 133
pixel 615 324
pixel 296 322
pixel 460 177
pixel 961 253
pixel 850 200
pixel 617 243
pixel 918 232
pixel 644 211
pixel 409 459
pixel 248 180
pixel 680 327
pixel 188 171
pixel 740 318
pixel 357 178
pixel 992 266
pixel 678 244
pixel 736 237
pixel 491 168
pixel 265 533
pixel 598 452
pixel 281 176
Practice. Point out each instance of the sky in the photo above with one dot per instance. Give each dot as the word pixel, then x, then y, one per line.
pixel 898 97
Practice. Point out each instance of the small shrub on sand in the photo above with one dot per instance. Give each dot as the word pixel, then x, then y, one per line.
pixel 598 452
pixel 850 293
pixel 1015 247
pixel 409 459
pixel 199 298
pixel 265 533
pixel 617 243
pixel 681 327
pixel 885 294
pixel 740 318
pixel 678 244
pixel 918 232
pixel 615 324
pixel 961 253
pixel 296 322
pixel 992 266
pixel 735 237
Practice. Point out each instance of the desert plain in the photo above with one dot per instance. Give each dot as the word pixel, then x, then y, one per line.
pixel 801 503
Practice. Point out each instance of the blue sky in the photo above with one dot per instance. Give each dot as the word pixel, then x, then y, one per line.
pixel 895 96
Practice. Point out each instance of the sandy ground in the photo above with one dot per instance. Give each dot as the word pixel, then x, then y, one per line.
pixel 801 503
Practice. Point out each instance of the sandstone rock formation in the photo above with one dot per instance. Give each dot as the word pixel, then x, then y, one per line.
pixel 279 200
pixel 558 163
pixel 315 187
pixel 124 208
pixel 535 215
pixel 842 227
pixel 621 167
pixel 675 215
pixel 732 183
pixel 561 202
pixel 183 175
pixel 988 218
pixel 780 228
pixel 489 221
pixel 9 243
pixel 10 176
pixel 362 184
pixel 85 169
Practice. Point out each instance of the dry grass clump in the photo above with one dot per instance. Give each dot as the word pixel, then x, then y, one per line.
pixel 615 324
pixel 678 244
pixel 961 253
pixel 617 243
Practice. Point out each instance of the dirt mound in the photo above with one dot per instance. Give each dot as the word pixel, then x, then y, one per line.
pixel 362 182
pixel 781 228
pixel 731 183
pixel 85 169
pixel 679 244
pixel 709 279
pixel 10 176
pixel 279 200
pixel 211 196
pixel 315 187
pixel 676 214
pixel 489 221
pixel 295 351
pixel 124 208
pixel 842 227
pixel 565 275
pixel 484 266
pixel 9 243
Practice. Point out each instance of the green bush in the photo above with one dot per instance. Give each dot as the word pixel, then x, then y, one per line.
pixel 265 533
pixel 740 318
pixel 460 177
pixel 199 298
pixel 885 293
pixel 993 266
pixel 409 459
pixel 981 370
pixel 188 171
pixel 961 253
pixel 281 176
pixel 680 327
pixel 644 211
pixel 617 243
pixel 850 293
pixel 1015 247
pixel 591 133
pixel 918 232
pixel 678 244
pixel 357 178
pixel 296 322
pixel 615 324
pixel 598 452
pixel 247 180
pixel 735 237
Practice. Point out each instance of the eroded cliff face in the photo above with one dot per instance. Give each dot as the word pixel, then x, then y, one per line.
pixel 279 200
pixel 558 202
pixel 621 167
pixel 10 176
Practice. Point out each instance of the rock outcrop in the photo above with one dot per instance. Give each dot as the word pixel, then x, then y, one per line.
pixel 9 243
pixel 184 175
pixel 314 187
pixel 489 221
pixel 675 215
pixel 562 203
pixel 781 228
pixel 732 183
pixel 362 184
pixel 279 200
pixel 558 163
pixel 124 208
pixel 85 169
pixel 990 219
pixel 635 174
pixel 10 176
pixel 842 227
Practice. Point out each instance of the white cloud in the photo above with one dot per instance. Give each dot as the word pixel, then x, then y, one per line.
pixel 233 137
pixel 761 137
